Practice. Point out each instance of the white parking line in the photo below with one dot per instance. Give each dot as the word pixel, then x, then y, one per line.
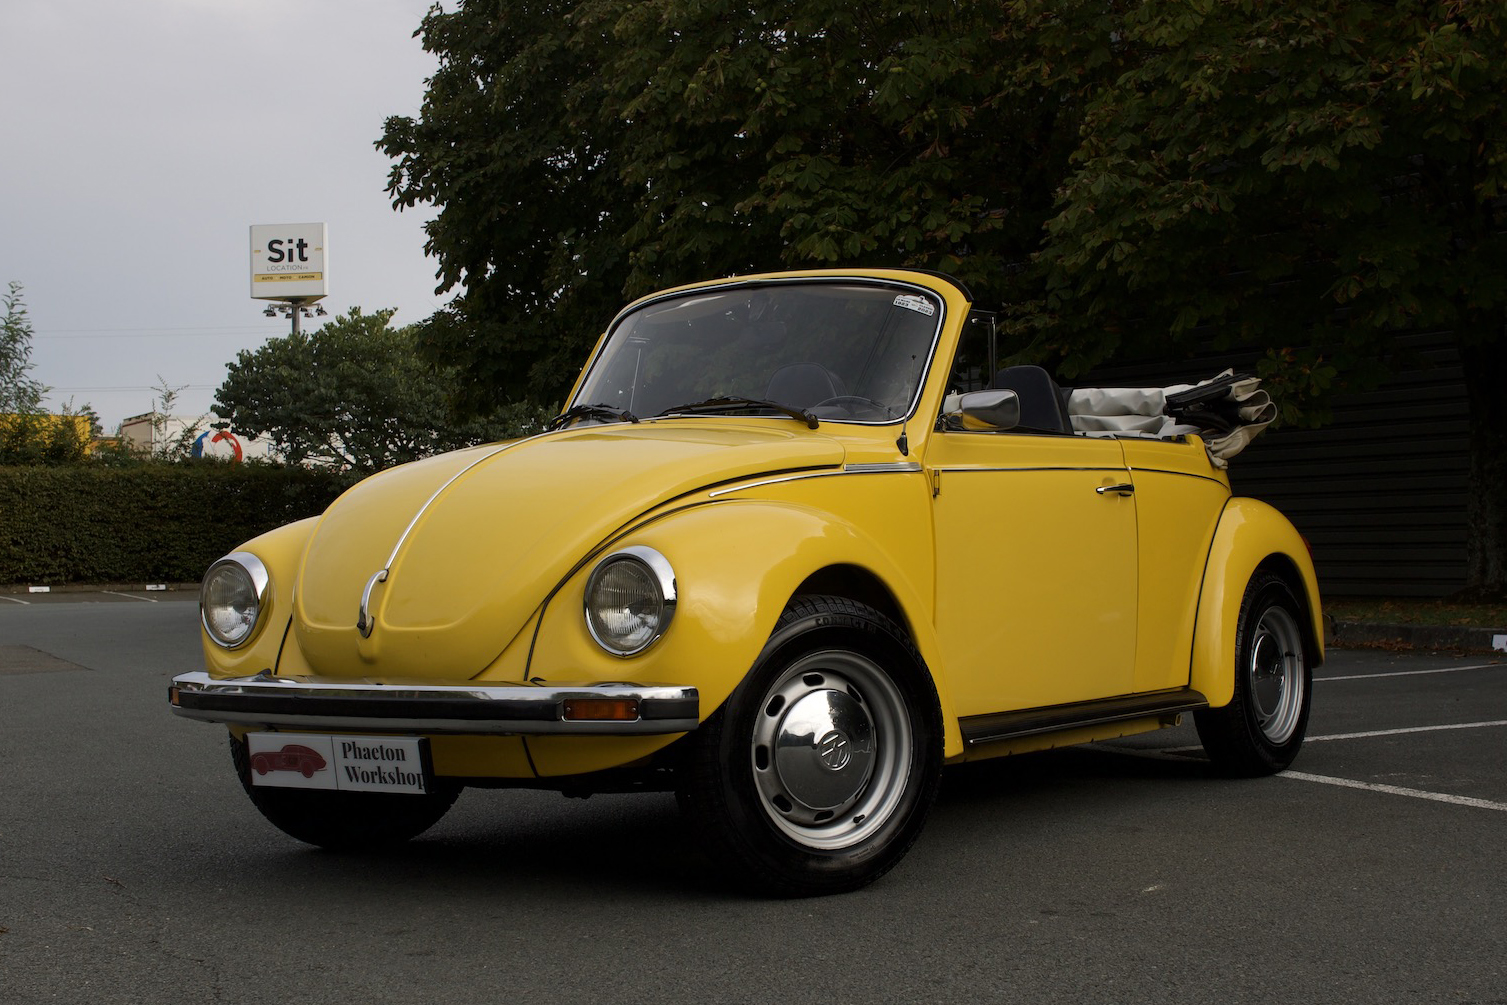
pixel 1361 736
pixel 128 596
pixel 1413 673
pixel 1396 790
pixel 1404 729
pixel 24 603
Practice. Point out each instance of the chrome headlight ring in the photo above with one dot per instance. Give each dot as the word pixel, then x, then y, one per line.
pixel 630 600
pixel 232 599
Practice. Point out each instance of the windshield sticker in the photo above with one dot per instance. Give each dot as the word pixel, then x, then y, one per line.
pixel 914 303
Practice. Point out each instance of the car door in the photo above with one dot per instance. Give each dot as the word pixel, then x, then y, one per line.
pixel 1036 580
pixel 1179 498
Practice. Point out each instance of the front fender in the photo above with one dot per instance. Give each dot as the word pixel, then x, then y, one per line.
pixel 280 550
pixel 1250 535
pixel 737 563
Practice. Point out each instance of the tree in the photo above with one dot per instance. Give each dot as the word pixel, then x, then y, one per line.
pixel 1308 179
pixel 28 435
pixel 20 394
pixel 171 446
pixel 583 152
pixel 353 395
pixel 1301 180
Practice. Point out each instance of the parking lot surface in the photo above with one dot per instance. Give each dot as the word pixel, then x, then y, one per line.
pixel 100 595
pixel 133 869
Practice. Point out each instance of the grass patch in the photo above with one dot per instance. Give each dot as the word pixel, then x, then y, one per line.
pixel 1370 610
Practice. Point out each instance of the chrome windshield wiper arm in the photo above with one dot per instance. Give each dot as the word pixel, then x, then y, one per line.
pixel 732 403
pixel 590 412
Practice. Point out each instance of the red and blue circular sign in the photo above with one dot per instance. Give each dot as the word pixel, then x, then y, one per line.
pixel 219 436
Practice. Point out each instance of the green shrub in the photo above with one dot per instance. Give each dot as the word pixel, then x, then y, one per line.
pixel 146 523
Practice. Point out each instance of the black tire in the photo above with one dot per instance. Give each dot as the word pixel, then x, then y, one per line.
pixel 344 821
pixel 1261 730
pixel 818 773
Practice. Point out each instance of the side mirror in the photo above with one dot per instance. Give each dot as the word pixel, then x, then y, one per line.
pixel 983 411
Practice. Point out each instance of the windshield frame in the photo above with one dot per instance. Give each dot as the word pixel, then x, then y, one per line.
pixel 900 285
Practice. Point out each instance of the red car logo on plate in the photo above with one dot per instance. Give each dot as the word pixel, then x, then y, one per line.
pixel 293 757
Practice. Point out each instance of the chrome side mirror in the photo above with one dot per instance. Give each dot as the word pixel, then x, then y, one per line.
pixel 982 411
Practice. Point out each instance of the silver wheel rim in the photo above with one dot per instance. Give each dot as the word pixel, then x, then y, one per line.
pixel 1275 674
pixel 831 750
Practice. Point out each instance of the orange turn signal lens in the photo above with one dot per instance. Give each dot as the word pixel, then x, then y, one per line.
pixel 601 709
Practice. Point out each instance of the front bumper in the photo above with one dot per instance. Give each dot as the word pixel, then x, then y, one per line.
pixel 607 709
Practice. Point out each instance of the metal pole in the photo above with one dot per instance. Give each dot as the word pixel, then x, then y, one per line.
pixel 296 326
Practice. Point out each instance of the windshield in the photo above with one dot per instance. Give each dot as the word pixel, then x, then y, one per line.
pixel 842 350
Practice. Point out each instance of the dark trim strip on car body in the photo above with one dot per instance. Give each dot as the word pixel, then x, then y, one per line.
pixel 496 709
pixel 995 726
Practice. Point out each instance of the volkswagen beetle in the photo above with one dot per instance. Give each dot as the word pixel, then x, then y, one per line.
pixel 794 545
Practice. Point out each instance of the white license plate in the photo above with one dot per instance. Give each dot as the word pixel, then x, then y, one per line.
pixel 346 763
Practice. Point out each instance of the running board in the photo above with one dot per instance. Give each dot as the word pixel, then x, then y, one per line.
pixel 1054 718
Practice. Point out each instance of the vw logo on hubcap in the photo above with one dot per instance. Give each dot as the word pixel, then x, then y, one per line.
pixel 834 750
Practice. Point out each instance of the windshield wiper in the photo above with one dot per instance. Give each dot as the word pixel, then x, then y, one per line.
pixel 733 403
pixel 590 412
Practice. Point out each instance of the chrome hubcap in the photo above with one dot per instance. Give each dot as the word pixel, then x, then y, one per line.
pixel 823 750
pixel 831 749
pixel 1275 673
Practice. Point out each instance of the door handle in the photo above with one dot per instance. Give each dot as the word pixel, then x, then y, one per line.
pixel 1123 489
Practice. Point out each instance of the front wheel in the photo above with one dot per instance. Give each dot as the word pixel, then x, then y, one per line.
pixel 1260 730
pixel 818 774
pixel 343 821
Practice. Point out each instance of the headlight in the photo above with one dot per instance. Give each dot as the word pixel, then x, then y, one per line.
pixel 630 599
pixel 231 599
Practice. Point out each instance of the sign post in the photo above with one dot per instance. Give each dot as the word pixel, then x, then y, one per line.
pixel 289 264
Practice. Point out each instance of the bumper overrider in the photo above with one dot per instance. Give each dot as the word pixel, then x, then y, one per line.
pixel 604 709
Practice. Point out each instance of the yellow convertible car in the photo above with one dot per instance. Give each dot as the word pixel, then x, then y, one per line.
pixel 795 544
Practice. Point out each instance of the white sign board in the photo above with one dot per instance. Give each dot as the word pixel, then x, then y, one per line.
pixel 288 262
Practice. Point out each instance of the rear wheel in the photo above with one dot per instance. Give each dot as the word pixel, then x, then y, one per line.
pixel 1260 731
pixel 818 774
pixel 343 821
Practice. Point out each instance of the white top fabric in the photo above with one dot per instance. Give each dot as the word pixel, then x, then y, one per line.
pixel 1238 415
pixel 1142 411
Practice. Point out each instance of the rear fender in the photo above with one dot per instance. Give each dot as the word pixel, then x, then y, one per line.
pixel 1251 535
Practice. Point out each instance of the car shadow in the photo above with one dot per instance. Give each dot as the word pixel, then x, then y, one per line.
pixel 1039 772
pixel 523 846
pixel 514 844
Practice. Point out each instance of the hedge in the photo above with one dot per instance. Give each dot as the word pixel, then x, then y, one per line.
pixel 152 523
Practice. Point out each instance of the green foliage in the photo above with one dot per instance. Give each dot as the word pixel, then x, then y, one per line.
pixel 583 153
pixel 146 522
pixel 41 438
pixel 19 393
pixel 1304 178
pixel 180 445
pixel 27 434
pixel 354 396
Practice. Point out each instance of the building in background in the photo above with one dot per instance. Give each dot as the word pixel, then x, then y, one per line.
pixel 156 434
pixel 41 437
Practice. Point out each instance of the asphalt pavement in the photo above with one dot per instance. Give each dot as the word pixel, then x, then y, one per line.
pixel 133 869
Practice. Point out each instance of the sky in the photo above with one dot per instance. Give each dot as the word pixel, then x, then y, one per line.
pixel 139 142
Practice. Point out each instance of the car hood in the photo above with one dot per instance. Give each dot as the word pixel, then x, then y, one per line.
pixel 473 541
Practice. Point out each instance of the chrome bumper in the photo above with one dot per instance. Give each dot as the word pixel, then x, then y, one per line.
pixel 570 709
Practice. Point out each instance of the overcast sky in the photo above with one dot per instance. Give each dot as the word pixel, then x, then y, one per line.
pixel 141 139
